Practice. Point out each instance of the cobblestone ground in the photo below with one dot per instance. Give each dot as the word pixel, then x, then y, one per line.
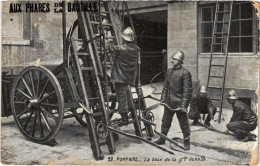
pixel 73 145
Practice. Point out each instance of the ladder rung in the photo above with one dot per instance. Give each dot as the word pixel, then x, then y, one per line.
pixel 107 63
pixel 111 95
pixel 94 98
pixel 83 53
pixel 103 143
pixel 216 76
pixel 214 87
pixel 218 65
pixel 78 40
pixel 104 12
pixel 217 99
pixel 97 23
pixel 110 37
pixel 217 43
pixel 222 22
pixel 87 68
pixel 220 33
pixel 218 54
pixel 224 12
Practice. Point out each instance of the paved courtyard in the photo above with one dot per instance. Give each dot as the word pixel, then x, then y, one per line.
pixel 73 148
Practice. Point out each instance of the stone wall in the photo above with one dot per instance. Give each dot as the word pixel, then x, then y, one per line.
pixel 44 42
pixel 182 34
pixel 242 71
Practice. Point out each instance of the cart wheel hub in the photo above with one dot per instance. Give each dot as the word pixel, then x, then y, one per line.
pixel 34 103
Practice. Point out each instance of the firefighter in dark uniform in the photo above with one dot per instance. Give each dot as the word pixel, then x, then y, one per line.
pixel 243 119
pixel 201 104
pixel 124 70
pixel 176 93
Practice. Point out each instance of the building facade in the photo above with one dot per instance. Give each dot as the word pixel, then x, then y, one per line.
pixel 190 26
pixel 185 26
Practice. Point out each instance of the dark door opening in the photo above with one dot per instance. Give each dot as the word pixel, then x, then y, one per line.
pixel 151 31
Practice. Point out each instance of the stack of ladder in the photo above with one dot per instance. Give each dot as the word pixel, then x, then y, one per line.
pixel 219 49
pixel 91 65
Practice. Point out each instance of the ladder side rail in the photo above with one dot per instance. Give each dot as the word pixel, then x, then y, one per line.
pixel 92 42
pixel 226 59
pixel 96 74
pixel 109 20
pixel 95 146
pixel 130 20
pixel 212 42
pixel 117 30
pixel 65 51
pixel 110 139
pixel 82 83
pixel 106 7
pixel 105 55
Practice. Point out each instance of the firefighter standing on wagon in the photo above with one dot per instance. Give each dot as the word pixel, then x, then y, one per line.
pixel 124 70
pixel 176 93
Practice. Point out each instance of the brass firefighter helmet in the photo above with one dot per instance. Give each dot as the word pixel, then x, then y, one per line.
pixel 232 94
pixel 128 34
pixel 178 55
pixel 203 89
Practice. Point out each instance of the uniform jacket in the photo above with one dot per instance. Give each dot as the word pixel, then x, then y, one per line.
pixel 177 90
pixel 201 103
pixel 124 69
pixel 242 112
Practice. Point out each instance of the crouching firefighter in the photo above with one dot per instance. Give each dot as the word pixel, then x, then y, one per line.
pixel 243 119
pixel 124 70
pixel 176 93
pixel 201 104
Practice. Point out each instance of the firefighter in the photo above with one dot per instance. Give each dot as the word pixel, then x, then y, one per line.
pixel 176 93
pixel 243 119
pixel 124 70
pixel 201 104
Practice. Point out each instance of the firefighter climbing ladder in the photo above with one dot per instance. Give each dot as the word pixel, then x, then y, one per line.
pixel 219 48
pixel 91 69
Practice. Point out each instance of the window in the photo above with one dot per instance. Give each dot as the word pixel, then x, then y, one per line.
pixel 243 30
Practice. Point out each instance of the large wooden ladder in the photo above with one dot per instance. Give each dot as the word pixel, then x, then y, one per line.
pixel 91 65
pixel 219 48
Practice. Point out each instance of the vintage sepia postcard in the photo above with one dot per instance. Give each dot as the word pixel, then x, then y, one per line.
pixel 129 82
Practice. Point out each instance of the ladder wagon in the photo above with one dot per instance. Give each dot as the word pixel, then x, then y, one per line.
pixel 80 87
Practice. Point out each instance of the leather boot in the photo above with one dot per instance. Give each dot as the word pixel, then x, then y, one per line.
pixel 187 144
pixel 124 118
pixel 160 141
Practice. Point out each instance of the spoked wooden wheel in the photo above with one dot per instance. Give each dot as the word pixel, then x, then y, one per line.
pixel 37 104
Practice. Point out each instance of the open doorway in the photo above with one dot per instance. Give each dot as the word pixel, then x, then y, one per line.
pixel 151 31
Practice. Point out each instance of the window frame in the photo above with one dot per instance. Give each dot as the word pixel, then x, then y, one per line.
pixel 255 31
